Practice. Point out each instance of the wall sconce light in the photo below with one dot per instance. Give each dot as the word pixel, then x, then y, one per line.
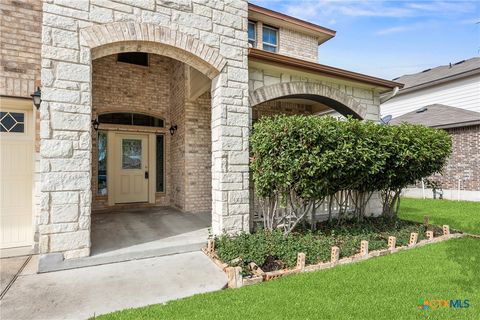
pixel 95 124
pixel 173 129
pixel 37 98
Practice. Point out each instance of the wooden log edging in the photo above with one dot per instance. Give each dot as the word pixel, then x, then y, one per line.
pixel 236 280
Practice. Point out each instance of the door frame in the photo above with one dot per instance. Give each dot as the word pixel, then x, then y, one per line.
pixel 25 105
pixel 111 171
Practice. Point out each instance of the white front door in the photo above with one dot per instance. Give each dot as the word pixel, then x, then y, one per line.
pixel 131 168
pixel 16 173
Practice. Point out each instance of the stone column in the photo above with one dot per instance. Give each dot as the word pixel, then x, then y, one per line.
pixel 65 145
pixel 230 129
pixel 230 156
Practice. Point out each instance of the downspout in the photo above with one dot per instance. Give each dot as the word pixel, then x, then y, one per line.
pixel 389 96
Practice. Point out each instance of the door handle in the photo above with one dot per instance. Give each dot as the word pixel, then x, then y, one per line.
pixel 146 174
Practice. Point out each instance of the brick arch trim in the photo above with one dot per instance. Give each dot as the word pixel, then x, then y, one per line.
pixel 325 94
pixel 117 37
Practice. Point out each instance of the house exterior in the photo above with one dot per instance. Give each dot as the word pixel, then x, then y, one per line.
pixel 460 179
pixel 448 98
pixel 149 103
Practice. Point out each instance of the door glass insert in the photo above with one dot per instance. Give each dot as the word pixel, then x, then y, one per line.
pixel 102 163
pixel 131 154
pixel 12 122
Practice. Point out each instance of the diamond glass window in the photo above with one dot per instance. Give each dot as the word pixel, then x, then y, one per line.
pixel 12 122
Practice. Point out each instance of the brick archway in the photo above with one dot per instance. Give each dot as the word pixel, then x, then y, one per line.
pixel 111 38
pixel 325 94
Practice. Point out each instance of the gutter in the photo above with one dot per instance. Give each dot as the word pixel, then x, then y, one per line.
pixel 457 125
pixel 389 95
pixel 292 20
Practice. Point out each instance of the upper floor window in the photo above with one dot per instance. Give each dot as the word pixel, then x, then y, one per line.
pixel 252 33
pixel 270 39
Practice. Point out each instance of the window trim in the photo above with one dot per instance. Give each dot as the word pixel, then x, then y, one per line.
pixel 254 23
pixel 277 31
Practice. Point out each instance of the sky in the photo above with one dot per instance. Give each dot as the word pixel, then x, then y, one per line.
pixel 388 39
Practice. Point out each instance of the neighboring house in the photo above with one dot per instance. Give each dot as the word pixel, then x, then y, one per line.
pixel 460 179
pixel 445 97
pixel 456 85
pixel 149 103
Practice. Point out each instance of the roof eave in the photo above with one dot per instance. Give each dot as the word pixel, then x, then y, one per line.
pixel 275 58
pixel 324 34
pixel 457 125
pixel 440 81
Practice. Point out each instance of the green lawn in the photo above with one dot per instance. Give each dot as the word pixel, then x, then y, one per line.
pixel 381 288
pixel 461 215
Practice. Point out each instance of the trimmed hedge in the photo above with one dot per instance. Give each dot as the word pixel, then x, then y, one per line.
pixel 299 160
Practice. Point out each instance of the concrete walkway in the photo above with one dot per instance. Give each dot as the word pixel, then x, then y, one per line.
pixel 9 267
pixel 82 293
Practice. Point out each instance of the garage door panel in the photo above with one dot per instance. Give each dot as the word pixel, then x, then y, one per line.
pixel 16 195
pixel 14 157
pixel 15 230
pixel 16 183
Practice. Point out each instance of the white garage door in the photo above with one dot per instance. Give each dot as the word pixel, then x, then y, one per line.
pixel 16 172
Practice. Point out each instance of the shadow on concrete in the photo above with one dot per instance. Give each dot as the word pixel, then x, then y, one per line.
pixel 136 228
pixel 136 234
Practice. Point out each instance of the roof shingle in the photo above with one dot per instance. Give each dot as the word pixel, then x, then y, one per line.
pixel 438 73
pixel 440 116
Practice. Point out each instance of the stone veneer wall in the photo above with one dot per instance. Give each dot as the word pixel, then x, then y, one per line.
pixel 211 36
pixel 366 99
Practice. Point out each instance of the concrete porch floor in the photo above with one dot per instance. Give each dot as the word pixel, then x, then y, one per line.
pixel 136 234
